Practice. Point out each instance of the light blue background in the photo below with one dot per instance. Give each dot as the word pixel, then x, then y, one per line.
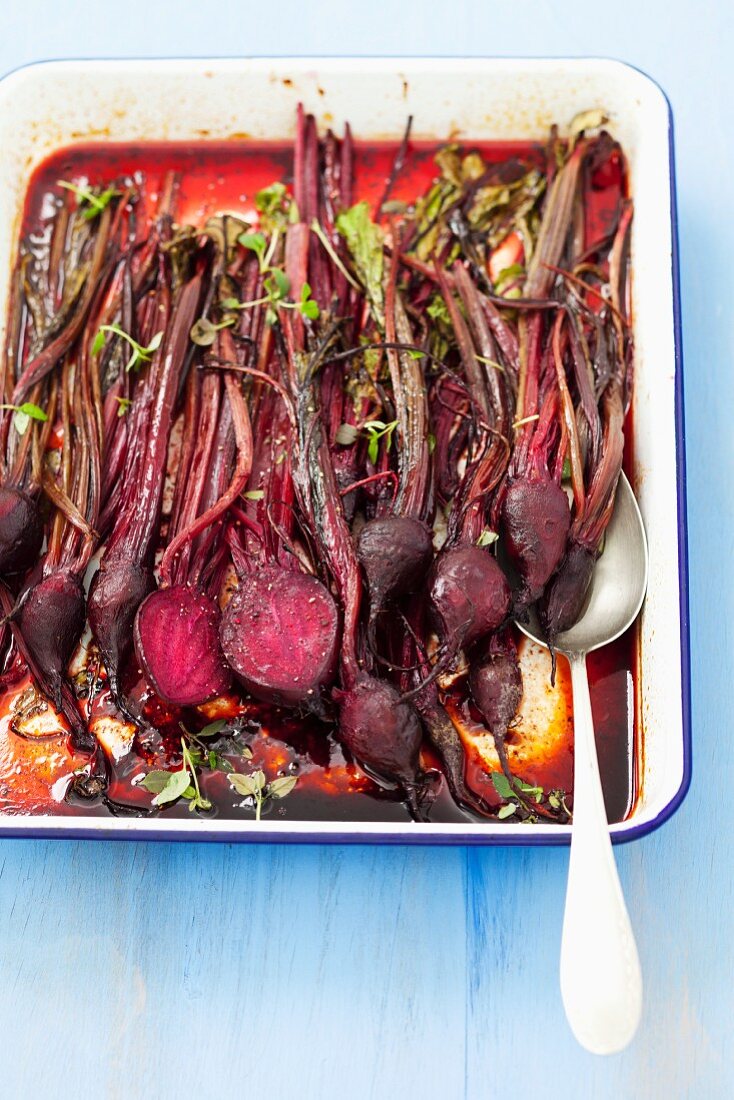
pixel 141 970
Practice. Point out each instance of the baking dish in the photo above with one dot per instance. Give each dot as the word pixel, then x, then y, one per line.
pixel 49 106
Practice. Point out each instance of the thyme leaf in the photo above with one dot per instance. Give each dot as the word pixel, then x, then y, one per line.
pixel 139 354
pixel 91 204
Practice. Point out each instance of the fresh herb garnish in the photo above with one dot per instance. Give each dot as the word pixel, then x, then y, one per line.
pixel 504 790
pixel 182 783
pixel 168 786
pixel 213 728
pixel 203 332
pixel 437 310
pixel 487 537
pixel 377 430
pixel 91 204
pixel 364 241
pixel 557 801
pixel 139 355
pixel 520 795
pixel 123 404
pixel 275 206
pixel 346 435
pixel 277 285
pixel 23 414
pixel 307 306
pixel 333 254
pixel 257 243
pixel 255 786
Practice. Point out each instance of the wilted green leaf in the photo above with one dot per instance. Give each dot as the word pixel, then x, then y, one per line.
pixel 174 788
pixel 243 784
pixel 347 435
pixel 502 785
pixel 281 787
pixel 365 243
pixel 212 728
pixel 21 421
pixel 155 781
pixel 586 120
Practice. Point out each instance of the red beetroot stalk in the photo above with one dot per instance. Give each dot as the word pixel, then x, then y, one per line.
pixel 380 730
pixel 50 613
pixel 21 529
pixel 469 595
pixel 280 630
pixel 564 598
pixel 536 517
pixel 486 470
pixel 125 576
pixel 55 330
pixel 177 627
pixel 395 550
pixel 45 361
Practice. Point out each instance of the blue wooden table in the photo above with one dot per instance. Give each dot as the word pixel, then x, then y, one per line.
pixel 142 970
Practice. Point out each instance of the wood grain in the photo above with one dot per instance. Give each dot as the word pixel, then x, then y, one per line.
pixel 139 970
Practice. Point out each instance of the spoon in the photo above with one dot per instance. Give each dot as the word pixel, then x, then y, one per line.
pixel 601 981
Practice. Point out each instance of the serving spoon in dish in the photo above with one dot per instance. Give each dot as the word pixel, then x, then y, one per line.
pixel 601 981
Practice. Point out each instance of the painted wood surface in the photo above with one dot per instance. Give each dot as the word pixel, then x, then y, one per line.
pixel 141 970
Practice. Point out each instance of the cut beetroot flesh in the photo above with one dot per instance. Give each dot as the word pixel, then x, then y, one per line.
pixel 280 633
pixel 177 644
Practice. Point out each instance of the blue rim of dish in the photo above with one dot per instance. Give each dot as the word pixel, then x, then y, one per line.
pixel 633 832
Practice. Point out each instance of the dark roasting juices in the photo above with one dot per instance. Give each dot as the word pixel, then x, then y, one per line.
pixel 218 177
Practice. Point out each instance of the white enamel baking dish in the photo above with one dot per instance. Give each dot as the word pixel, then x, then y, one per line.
pixel 55 104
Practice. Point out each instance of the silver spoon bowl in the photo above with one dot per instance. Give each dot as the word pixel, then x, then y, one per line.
pixel 601 981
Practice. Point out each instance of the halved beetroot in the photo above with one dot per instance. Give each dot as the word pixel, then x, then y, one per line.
pixel 177 645
pixel 280 634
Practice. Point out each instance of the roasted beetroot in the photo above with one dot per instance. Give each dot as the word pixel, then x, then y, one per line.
pixel 395 552
pixel 496 688
pixel 177 644
pixel 124 575
pixel 470 596
pixel 21 531
pixel 367 403
pixel 51 620
pixel 381 731
pixel 280 633
pixel 116 592
pixel 536 520
pixel 564 598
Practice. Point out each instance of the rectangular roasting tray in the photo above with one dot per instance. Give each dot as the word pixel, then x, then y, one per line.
pixel 51 105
